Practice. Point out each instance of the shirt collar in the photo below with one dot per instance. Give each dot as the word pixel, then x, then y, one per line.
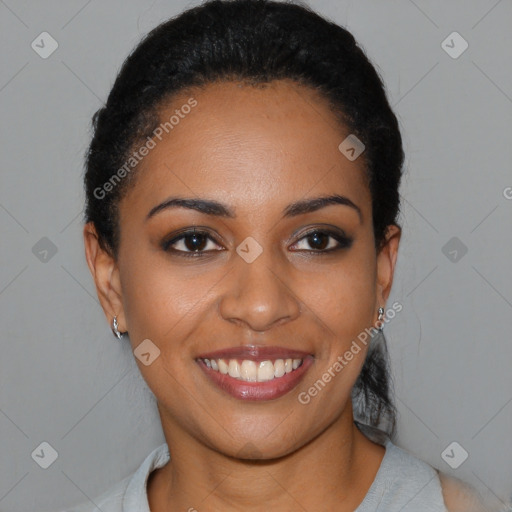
pixel 136 497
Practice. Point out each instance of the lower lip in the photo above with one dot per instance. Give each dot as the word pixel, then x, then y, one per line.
pixel 268 390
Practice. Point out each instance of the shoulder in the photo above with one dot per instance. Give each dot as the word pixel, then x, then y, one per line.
pixel 129 493
pixel 460 496
pixel 404 483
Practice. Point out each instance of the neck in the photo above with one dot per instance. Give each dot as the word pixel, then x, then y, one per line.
pixel 333 472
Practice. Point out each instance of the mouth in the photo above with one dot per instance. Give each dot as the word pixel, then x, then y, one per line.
pixel 255 373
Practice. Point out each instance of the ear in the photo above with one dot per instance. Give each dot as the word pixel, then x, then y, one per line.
pixel 386 260
pixel 105 272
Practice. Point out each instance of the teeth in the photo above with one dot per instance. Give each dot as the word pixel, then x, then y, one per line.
pixel 223 367
pixel 279 368
pixel 265 371
pixel 234 368
pixel 250 371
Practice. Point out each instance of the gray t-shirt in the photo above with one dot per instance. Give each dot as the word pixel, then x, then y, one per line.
pixel 403 483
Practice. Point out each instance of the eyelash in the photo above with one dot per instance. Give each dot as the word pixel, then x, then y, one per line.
pixel 344 242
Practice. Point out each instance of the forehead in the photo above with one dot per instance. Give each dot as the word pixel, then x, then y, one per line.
pixel 248 146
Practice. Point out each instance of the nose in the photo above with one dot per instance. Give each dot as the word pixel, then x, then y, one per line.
pixel 258 295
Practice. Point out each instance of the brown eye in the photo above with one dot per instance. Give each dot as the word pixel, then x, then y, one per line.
pixel 195 242
pixel 318 240
pixel 322 241
pixel 191 243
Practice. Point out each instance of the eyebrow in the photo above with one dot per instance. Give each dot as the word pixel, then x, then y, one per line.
pixel 211 207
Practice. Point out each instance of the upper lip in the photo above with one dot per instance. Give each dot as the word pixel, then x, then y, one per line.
pixel 255 353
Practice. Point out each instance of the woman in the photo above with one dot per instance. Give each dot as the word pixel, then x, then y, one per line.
pixel 241 228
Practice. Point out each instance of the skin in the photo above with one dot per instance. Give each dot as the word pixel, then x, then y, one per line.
pixel 256 150
pixel 461 497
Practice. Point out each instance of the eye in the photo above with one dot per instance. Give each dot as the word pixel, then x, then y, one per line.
pixel 322 241
pixel 191 243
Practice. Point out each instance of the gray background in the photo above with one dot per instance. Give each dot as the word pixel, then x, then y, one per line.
pixel 63 377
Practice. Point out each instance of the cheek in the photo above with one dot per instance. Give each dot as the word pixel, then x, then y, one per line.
pixel 342 302
pixel 342 296
pixel 162 300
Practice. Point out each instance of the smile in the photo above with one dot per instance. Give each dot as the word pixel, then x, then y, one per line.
pixel 255 373
pixel 250 371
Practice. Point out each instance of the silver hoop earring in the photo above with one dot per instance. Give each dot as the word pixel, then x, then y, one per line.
pixel 381 314
pixel 115 329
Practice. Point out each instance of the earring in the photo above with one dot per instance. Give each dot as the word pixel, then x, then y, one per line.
pixel 381 314
pixel 115 329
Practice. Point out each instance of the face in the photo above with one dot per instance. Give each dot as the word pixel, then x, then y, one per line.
pixel 250 273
